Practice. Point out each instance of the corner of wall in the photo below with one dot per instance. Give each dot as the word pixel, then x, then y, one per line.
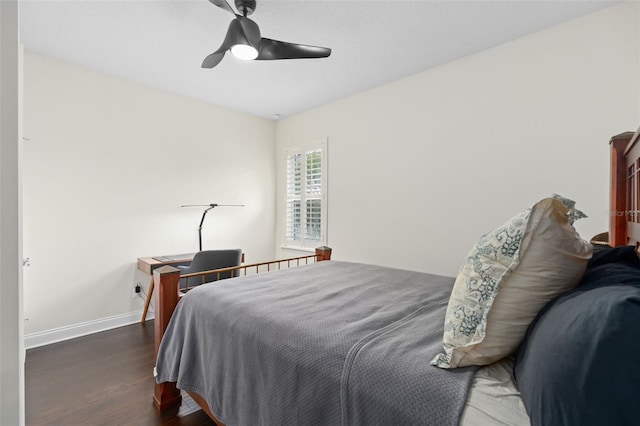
pixel 11 311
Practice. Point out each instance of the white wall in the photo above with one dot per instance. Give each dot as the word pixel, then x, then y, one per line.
pixel 11 330
pixel 420 168
pixel 107 166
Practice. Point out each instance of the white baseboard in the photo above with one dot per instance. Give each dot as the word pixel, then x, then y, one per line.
pixel 41 338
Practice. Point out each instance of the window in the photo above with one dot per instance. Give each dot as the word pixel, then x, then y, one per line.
pixel 306 190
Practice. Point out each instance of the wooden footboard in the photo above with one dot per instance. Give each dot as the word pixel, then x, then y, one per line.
pixel 165 299
pixel 167 296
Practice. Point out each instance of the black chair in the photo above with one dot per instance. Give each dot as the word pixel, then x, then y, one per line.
pixel 207 260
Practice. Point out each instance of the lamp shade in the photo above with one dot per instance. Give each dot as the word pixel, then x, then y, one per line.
pixel 244 52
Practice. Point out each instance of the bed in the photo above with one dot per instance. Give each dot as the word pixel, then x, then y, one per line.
pixel 504 342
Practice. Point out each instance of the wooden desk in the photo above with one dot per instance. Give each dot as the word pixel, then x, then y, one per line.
pixel 148 264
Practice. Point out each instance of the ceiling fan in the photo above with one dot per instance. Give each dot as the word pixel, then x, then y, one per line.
pixel 244 41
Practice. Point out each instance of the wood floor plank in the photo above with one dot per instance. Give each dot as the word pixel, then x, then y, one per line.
pixel 102 379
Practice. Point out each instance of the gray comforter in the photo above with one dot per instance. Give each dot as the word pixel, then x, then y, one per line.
pixel 331 343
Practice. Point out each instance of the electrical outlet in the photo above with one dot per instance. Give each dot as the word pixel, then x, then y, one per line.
pixel 137 290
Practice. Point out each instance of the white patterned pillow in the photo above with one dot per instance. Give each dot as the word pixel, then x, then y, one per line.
pixel 508 276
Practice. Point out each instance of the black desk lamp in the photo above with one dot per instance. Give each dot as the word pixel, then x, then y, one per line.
pixel 204 213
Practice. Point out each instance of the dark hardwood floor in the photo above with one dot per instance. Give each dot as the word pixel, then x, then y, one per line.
pixel 101 379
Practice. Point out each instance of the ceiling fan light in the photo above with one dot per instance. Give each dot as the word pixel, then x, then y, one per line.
pixel 244 52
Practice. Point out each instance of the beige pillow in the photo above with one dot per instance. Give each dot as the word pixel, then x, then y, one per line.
pixel 508 276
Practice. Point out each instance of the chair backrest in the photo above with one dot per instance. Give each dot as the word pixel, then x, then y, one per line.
pixel 211 259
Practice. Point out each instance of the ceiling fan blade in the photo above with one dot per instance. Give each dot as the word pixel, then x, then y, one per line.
pixel 250 29
pixel 213 59
pixel 274 49
pixel 222 4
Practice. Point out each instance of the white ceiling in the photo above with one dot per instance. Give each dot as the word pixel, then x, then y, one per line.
pixel 161 43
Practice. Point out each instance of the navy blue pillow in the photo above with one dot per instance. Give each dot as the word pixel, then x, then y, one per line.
pixel 579 363
pixel 605 255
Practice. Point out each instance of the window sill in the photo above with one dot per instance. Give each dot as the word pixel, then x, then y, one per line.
pixel 298 249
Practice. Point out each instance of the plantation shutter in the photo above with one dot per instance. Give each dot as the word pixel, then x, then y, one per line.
pixel 294 196
pixel 306 196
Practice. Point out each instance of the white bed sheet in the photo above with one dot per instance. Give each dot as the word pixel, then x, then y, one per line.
pixel 494 399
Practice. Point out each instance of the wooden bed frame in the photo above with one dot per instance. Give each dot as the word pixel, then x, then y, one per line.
pixel 624 229
pixel 167 296
pixel 624 203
